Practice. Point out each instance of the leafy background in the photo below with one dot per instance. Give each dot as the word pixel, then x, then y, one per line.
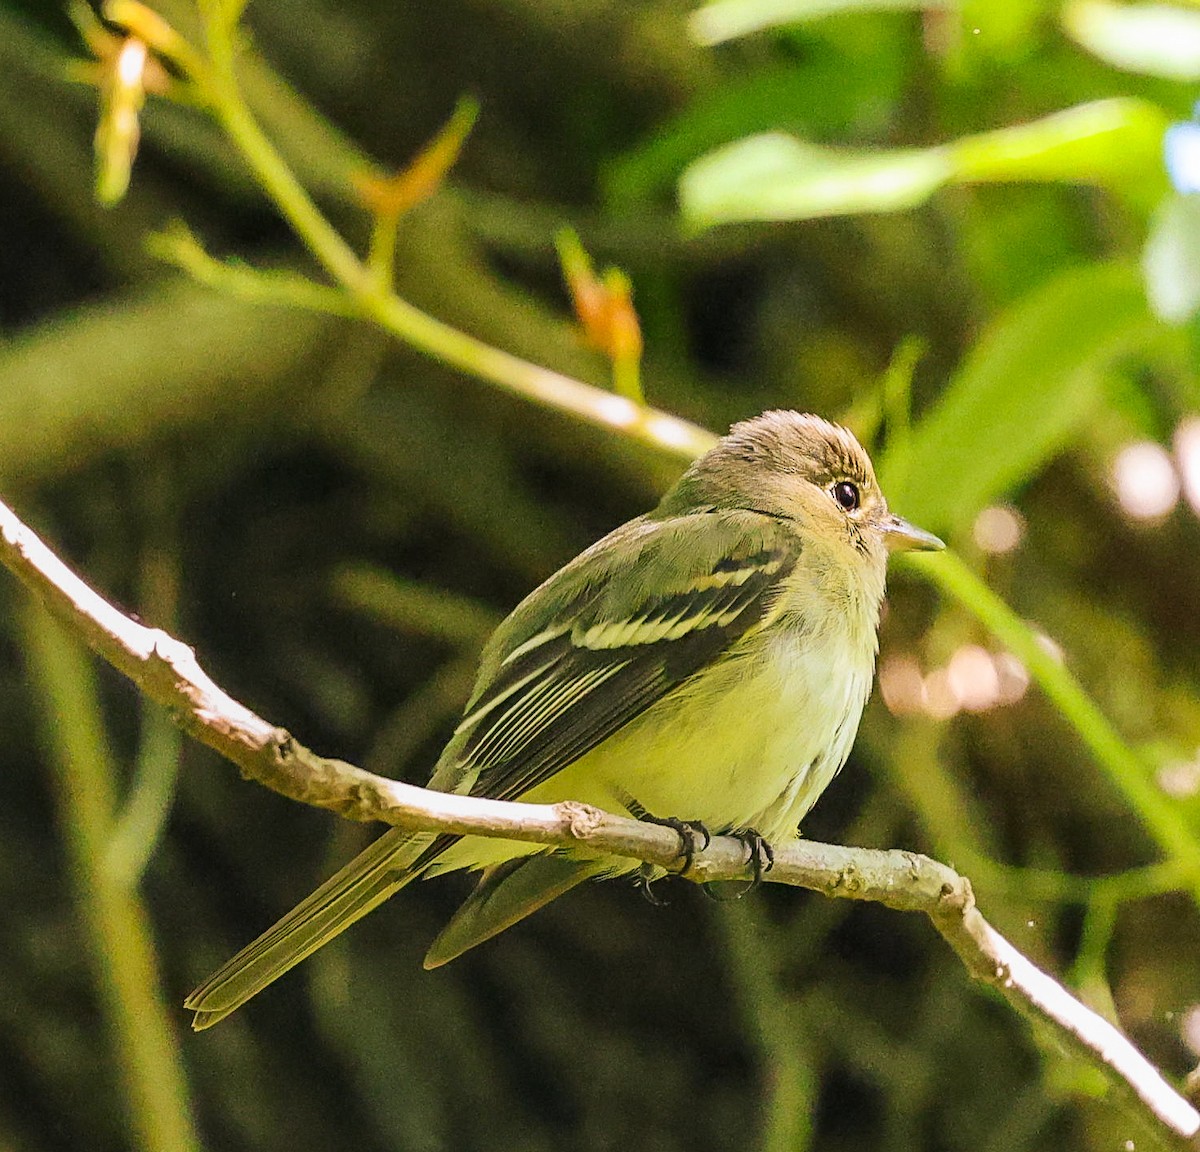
pixel 964 214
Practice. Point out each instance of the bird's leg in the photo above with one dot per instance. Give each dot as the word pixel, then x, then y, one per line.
pixel 693 837
pixel 761 861
pixel 762 855
pixel 689 831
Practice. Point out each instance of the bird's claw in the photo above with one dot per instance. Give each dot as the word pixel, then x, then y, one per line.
pixel 645 878
pixel 689 831
pixel 693 837
pixel 761 861
pixel 762 855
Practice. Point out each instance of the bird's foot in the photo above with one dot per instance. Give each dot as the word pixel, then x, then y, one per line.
pixel 693 836
pixel 761 861
pixel 762 855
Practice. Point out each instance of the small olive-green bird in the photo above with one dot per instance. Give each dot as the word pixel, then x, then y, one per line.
pixel 707 662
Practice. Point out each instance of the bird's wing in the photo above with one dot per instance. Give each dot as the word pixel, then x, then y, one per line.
pixel 614 631
pixel 619 629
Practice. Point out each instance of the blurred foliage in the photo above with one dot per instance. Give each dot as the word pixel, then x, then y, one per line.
pixel 975 256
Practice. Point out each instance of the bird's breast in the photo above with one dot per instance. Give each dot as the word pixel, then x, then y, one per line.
pixel 749 742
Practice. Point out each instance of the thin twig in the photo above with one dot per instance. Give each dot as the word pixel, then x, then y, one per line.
pixel 167 671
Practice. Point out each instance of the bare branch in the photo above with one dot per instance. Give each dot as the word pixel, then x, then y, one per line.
pixel 167 671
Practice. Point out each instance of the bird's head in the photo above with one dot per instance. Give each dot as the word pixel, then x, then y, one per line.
pixel 804 469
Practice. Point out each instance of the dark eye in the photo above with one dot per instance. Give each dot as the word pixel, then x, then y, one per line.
pixel 846 494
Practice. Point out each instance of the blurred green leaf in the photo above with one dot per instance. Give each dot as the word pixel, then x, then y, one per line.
pixel 1025 388
pixel 1106 142
pixel 140 366
pixel 1171 259
pixel 1156 39
pixel 728 19
pixel 777 177
pixel 412 607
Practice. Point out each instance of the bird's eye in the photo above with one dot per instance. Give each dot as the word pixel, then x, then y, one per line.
pixel 846 494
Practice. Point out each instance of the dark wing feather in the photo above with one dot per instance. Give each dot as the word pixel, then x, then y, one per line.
pixel 599 662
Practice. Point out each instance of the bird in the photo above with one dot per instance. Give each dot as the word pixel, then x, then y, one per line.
pixel 704 665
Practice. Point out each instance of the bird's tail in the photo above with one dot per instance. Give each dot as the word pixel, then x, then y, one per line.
pixel 392 861
pixel 506 893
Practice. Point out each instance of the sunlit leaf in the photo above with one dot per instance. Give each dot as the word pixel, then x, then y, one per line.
pixel 1156 39
pixel 1107 142
pixel 1023 391
pixel 777 177
pixel 728 19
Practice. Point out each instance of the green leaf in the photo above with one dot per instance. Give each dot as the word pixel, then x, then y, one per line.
pixel 777 177
pixel 1106 142
pixel 1115 143
pixel 1023 392
pixel 1154 39
pixel 727 19
pixel 144 365
pixel 1171 259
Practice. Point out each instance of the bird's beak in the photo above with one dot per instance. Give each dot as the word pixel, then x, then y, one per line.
pixel 901 536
